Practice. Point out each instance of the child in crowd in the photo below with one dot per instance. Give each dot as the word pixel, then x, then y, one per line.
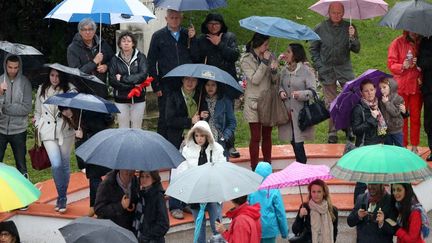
pixel 393 109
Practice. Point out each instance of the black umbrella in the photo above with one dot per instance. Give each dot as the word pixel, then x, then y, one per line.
pixel 414 16
pixel 90 230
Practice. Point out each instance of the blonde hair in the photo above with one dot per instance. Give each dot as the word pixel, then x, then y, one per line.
pixel 326 196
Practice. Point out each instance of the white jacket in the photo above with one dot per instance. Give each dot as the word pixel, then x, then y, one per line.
pixel 48 119
pixel 191 150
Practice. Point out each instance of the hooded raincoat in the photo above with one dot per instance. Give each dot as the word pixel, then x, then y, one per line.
pixel 245 225
pixel 273 217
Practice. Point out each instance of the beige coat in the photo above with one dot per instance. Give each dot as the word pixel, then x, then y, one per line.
pixel 48 120
pixel 258 77
pixel 300 79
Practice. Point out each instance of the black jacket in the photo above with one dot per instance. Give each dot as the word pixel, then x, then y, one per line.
pixel 364 126
pixel 301 224
pixel 164 54
pixel 425 63
pixel 176 115
pixel 80 56
pixel 108 202
pixel 367 228
pixel 131 75
pixel 156 221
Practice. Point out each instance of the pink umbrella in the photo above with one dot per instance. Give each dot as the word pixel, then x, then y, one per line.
pixel 296 174
pixel 354 9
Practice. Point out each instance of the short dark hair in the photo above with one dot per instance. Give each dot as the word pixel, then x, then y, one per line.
pixel 299 54
pixel 240 200
pixel 364 82
pixel 12 58
pixel 124 34
pixel 256 41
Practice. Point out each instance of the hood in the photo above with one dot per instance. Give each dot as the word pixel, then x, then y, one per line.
pixel 213 17
pixel 10 227
pixel 204 127
pixel 393 86
pixel 78 38
pixel 19 67
pixel 263 169
pixel 252 211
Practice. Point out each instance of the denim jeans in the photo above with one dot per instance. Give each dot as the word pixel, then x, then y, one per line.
pixel 175 204
pixel 18 145
pixel 59 156
pixel 394 139
pixel 215 212
pixel 131 115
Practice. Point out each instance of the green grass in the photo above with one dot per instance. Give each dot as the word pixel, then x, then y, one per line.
pixel 374 40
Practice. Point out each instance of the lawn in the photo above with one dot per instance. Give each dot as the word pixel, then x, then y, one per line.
pixel 374 40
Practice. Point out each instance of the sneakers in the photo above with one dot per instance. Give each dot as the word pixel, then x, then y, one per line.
pixel 332 139
pixel 177 214
pixel 61 205
pixel 233 153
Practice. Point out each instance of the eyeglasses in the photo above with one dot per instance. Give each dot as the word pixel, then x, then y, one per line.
pixel 213 23
pixel 87 30
pixel 4 234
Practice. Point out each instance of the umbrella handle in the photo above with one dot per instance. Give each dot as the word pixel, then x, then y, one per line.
pixel 79 120
pixel 100 32
pixel 301 197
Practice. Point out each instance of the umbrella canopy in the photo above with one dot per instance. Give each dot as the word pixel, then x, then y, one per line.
pixel 414 16
pixel 354 9
pixel 130 149
pixel 296 174
pixel 188 5
pixel 341 107
pixel 101 11
pixel 31 58
pixel 278 27
pixel 73 75
pixel 15 190
pixel 83 102
pixel 213 182
pixel 18 49
pixel 204 71
pixel 381 164
pixel 89 230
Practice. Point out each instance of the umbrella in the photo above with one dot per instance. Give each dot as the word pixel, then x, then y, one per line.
pixel 74 75
pixel 341 107
pixel 31 57
pixel 187 5
pixel 381 164
pixel 130 149
pixel 212 182
pixel 83 102
pixel 414 16
pixel 204 71
pixel 89 230
pixel 296 174
pixel 18 49
pixel 100 11
pixel 354 9
pixel 15 190
pixel 279 27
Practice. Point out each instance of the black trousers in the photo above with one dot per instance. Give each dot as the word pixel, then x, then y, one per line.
pixel 18 145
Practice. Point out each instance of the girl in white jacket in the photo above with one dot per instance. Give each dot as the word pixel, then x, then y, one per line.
pixel 201 148
pixel 55 133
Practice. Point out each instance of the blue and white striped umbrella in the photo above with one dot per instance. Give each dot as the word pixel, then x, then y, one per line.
pixel 102 11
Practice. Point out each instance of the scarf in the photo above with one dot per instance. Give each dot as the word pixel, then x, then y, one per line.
pixel 415 205
pixel 382 126
pixel 321 222
pixel 211 102
pixel 138 220
pixel 190 103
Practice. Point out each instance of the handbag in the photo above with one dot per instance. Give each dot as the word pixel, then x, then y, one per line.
pixel 300 238
pixel 38 155
pixel 312 113
pixel 271 109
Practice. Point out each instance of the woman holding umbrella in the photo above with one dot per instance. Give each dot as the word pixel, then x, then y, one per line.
pixel 55 134
pixel 412 221
pixel 259 67
pixel 296 86
pixel 317 220
pixel 128 68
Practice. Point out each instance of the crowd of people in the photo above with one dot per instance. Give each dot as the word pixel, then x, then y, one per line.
pixel 197 117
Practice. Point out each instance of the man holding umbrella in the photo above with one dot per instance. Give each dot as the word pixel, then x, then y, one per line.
pixel 331 56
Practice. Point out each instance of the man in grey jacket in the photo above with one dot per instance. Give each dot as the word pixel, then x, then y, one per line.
pixel 331 56
pixel 15 105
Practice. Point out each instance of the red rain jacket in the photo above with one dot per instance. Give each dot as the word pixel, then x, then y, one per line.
pixel 245 225
pixel 406 78
pixel 413 234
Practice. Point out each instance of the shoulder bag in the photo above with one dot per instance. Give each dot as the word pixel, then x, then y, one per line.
pixel 312 113
pixel 38 155
pixel 271 108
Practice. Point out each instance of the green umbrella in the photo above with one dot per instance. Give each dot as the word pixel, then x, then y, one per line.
pixel 15 190
pixel 381 164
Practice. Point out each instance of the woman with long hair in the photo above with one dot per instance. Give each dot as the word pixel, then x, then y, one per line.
pixel 260 68
pixel 55 134
pixel 317 219
pixel 296 85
